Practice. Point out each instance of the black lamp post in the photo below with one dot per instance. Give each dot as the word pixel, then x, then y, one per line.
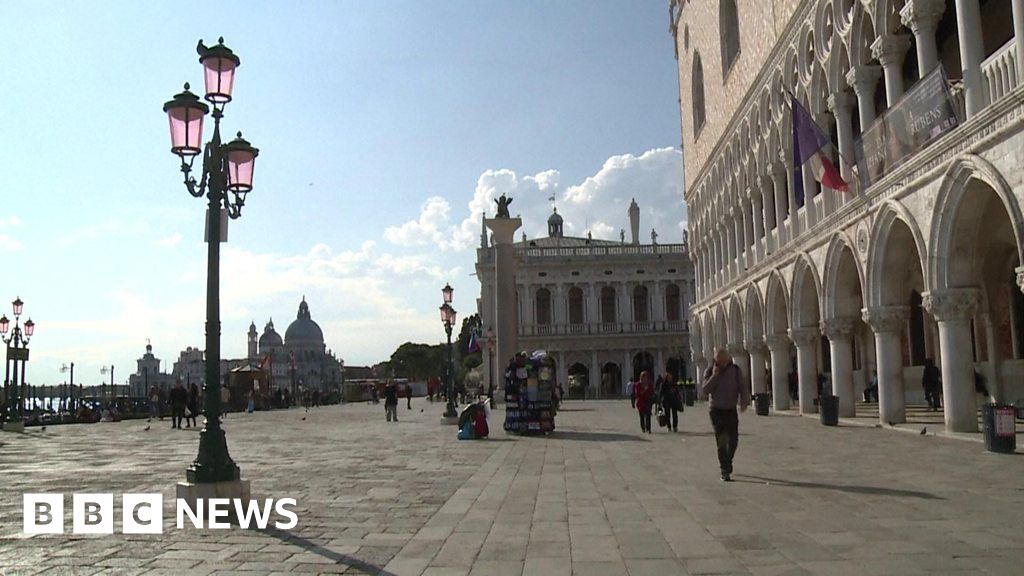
pixel 490 366
pixel 17 351
pixel 448 319
pixel 227 168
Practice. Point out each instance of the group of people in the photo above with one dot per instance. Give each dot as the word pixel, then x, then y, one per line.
pixel 646 396
pixel 184 404
pixel 727 390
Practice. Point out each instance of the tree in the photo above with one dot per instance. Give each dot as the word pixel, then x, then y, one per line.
pixel 418 362
pixel 463 358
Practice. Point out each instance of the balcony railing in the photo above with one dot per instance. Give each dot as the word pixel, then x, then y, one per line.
pixel 999 72
pixel 669 326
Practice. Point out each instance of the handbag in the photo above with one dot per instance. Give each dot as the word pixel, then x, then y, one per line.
pixel 662 418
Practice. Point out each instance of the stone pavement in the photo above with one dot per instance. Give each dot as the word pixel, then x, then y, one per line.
pixel 594 498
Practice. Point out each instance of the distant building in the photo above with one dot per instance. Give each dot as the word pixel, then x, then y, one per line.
pixel 148 374
pixel 603 310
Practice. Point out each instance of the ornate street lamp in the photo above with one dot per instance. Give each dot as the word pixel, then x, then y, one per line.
pixel 17 351
pixel 226 178
pixel 448 315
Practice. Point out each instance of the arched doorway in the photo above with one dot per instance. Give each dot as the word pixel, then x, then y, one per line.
pixel 779 344
pixel 807 337
pixel 611 380
pixel 643 361
pixel 579 381
pixel 844 329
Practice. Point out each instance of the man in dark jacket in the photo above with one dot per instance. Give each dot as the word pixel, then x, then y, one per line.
pixel 671 401
pixel 725 385
pixel 178 398
pixel 931 382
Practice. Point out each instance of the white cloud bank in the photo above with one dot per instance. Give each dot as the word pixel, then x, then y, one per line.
pixel 598 204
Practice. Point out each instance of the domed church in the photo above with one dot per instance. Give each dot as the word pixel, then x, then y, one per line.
pixel 300 359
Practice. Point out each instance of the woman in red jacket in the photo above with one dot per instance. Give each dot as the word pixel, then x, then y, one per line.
pixel 645 400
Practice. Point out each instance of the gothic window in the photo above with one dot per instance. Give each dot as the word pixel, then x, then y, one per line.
pixel 672 308
pixel 697 80
pixel 575 305
pixel 543 307
pixel 729 26
pixel 640 304
pixel 607 304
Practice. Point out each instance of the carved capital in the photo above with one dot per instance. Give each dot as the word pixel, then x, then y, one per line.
pixel 922 16
pixel 863 80
pixel 838 328
pixel 841 102
pixel 756 347
pixel 1020 277
pixel 952 304
pixel 890 49
pixel 804 337
pixel 778 343
pixel 886 318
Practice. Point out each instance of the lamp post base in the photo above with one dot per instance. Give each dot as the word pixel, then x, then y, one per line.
pixel 14 427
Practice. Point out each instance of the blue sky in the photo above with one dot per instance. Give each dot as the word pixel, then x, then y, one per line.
pixel 384 129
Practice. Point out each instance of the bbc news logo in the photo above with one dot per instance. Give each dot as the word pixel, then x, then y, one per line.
pixel 144 513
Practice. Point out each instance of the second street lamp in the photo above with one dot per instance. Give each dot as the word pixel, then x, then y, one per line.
pixel 226 178
pixel 448 315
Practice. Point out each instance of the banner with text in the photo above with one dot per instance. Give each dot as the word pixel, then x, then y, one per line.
pixel 923 114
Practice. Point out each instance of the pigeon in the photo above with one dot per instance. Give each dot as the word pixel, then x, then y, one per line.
pixel 303 417
pixel 43 429
pixel 924 431
pixel 146 429
pixel 891 423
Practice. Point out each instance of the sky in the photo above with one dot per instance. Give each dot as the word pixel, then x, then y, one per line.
pixel 385 129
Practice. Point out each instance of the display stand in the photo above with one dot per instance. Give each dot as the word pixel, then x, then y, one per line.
pixel 529 383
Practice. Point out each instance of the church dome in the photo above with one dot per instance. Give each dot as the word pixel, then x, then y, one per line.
pixel 270 337
pixel 304 330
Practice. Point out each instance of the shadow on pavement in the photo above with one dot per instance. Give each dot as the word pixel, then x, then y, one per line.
pixel 338 558
pixel 874 490
pixel 595 436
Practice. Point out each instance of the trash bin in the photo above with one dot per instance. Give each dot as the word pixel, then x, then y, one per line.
pixel 761 404
pixel 689 394
pixel 828 408
pixel 1000 428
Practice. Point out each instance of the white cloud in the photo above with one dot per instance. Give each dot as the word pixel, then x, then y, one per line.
pixel 7 242
pixel 597 204
pixel 170 241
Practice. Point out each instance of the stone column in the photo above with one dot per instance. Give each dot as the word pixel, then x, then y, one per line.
pixel 778 346
pixel 922 17
pixel 890 50
pixel 1018 27
pixel 506 319
pixel 748 232
pixel 794 223
pixel 953 310
pixel 887 322
pixel 839 332
pixel 780 192
pixel 972 52
pixel 594 389
pixel 593 306
pixel 841 105
pixel 559 312
pixel 863 80
pixel 993 381
pixel 657 303
pixel 806 340
pixel 760 213
pixel 757 349
pixel 740 358
pixel 625 304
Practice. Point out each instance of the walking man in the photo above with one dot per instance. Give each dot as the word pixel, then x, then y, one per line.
pixel 724 384
pixel 391 402
pixel 179 398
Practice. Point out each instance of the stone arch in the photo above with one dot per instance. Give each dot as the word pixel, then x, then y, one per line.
pixel 949 213
pixel 838 66
pixel 721 326
pixel 844 280
pixel 754 321
pixel 696 338
pixel 736 331
pixel 893 216
pixel 862 23
pixel 805 305
pixel 776 305
pixel 825 28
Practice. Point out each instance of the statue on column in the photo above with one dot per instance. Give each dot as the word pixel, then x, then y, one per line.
pixel 654 237
pixel 503 203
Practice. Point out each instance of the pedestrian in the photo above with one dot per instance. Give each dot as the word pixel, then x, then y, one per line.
pixel 154 402
pixel 931 382
pixel 645 400
pixel 794 386
pixel 671 402
pixel 225 400
pixel 872 389
pixel 193 405
pixel 390 402
pixel 631 392
pixel 408 396
pixel 725 385
pixel 179 399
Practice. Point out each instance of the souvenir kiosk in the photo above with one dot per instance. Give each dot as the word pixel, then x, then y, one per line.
pixel 529 383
